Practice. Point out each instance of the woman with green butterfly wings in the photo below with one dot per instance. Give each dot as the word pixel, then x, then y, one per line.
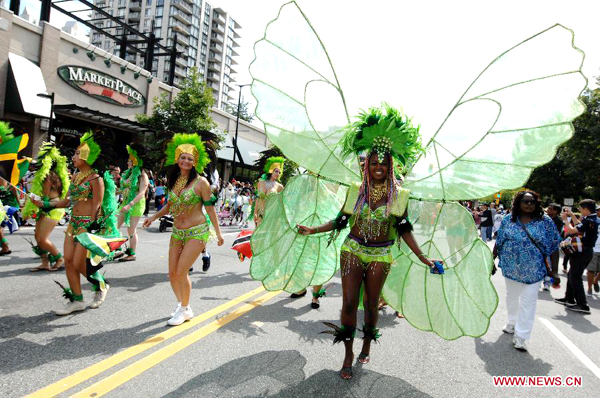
pixel 510 120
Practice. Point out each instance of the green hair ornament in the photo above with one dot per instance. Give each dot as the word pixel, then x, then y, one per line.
pixel 6 133
pixel 134 157
pixel 187 143
pixel 383 130
pixel 274 162
pixel 89 150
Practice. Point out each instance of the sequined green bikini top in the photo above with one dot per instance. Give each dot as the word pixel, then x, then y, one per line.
pixel 81 192
pixel 185 202
pixel 374 223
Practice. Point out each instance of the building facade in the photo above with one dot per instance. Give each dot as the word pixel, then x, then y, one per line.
pixel 92 89
pixel 205 37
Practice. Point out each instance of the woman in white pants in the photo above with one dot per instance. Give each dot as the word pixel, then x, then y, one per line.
pixel 525 239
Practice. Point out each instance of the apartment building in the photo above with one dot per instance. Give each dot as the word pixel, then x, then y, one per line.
pixel 205 36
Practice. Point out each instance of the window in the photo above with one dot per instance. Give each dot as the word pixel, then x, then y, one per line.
pixel 159 11
pixel 121 12
pixel 157 32
pixel 205 29
pixel 203 50
pixel 227 61
pixel 157 22
pixel 148 2
pixel 147 12
pixel 121 3
pixel 229 52
pixel 206 18
pixel 204 38
pixel 160 2
pixel 146 22
pixel 231 23
pixel 208 8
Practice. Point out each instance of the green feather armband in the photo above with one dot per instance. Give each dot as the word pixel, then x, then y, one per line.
pixel 211 202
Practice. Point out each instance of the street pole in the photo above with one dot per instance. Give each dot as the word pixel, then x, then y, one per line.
pixel 50 122
pixel 237 124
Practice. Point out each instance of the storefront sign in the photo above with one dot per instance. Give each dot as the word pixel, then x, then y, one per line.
pixel 101 86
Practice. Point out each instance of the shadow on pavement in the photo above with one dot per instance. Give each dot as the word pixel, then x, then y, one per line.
pixel 502 359
pixel 214 280
pixel 14 325
pixel 281 374
pixel 578 322
pixel 19 354
pixel 137 283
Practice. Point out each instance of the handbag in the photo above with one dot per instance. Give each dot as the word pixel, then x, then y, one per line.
pixel 571 245
pixel 536 244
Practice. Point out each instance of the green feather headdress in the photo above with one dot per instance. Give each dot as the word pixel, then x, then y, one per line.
pixel 89 150
pixel 274 162
pixel 50 158
pixel 5 132
pixel 383 130
pixel 135 158
pixel 187 143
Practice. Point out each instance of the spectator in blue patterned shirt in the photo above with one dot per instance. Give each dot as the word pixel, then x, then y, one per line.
pixel 525 239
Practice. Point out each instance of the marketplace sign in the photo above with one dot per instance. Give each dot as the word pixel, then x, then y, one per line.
pixel 101 86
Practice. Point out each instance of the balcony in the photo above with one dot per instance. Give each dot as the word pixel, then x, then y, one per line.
pixel 216 47
pixel 217 28
pixel 182 6
pixel 215 77
pixel 216 37
pixel 180 27
pixel 181 62
pixel 214 58
pixel 214 67
pixel 133 17
pixel 181 72
pixel 183 40
pixel 135 5
pixel 182 16
pixel 219 18
pixel 182 49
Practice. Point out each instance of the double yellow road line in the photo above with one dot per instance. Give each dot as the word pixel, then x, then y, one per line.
pixel 122 376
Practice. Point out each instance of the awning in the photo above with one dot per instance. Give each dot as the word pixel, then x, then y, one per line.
pixel 90 115
pixel 29 82
pixel 248 150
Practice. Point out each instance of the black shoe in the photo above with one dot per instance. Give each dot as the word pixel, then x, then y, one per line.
pixel 191 269
pixel 205 263
pixel 315 306
pixel 298 295
pixel 582 309
pixel 596 287
pixel 564 301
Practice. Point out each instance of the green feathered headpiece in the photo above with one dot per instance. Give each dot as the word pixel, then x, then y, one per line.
pixel 6 133
pixel 49 158
pixel 383 130
pixel 89 150
pixel 274 162
pixel 187 143
pixel 135 158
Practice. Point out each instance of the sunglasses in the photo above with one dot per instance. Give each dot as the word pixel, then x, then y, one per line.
pixel 528 202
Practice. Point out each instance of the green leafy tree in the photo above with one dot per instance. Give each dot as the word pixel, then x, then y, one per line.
pixel 189 112
pixel 245 113
pixel 575 171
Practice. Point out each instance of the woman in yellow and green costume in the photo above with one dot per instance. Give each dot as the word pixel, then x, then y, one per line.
pixel 91 198
pixel 376 211
pixel 134 182
pixel 8 193
pixel 189 192
pixel 50 182
pixel 268 185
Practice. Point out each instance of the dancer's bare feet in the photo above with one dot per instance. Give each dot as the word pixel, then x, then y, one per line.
pixel 44 267
pixel 58 265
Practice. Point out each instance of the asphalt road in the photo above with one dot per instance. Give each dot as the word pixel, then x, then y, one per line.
pixel 246 342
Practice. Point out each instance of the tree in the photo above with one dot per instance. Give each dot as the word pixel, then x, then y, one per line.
pixel 245 114
pixel 189 112
pixel 574 172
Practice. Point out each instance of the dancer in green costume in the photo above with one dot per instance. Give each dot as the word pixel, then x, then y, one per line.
pixel 92 199
pixel 134 182
pixel 50 182
pixel 268 185
pixel 189 192
pixel 495 135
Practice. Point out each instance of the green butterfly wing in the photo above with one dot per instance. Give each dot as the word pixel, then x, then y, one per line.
pixel 510 120
pixel 281 258
pixel 298 96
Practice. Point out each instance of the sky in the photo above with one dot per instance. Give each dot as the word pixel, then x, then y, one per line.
pixel 417 55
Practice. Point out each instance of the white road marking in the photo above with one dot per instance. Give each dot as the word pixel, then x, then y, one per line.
pixel 572 347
